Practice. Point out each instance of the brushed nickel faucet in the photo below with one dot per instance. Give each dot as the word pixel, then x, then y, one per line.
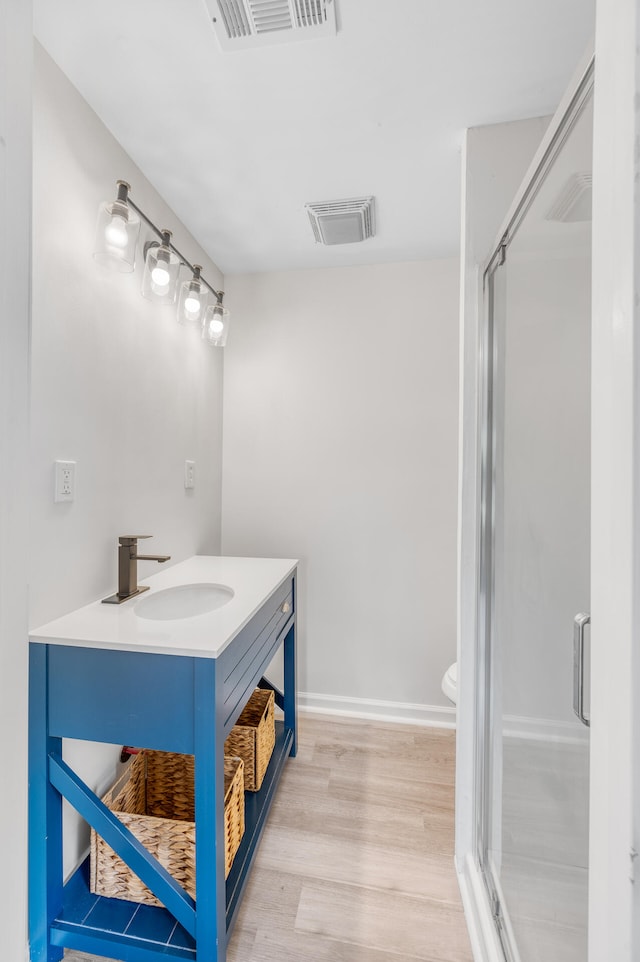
pixel 128 558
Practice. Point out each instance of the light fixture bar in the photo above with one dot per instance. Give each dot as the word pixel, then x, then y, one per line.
pixel 117 232
pixel 217 294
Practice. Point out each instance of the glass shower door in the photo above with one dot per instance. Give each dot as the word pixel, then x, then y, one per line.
pixel 534 837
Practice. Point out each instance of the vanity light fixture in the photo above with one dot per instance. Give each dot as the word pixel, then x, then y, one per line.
pixel 116 240
pixel 193 298
pixel 161 271
pixel 215 326
pixel 117 232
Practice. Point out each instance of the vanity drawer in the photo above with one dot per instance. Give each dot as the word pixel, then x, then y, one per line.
pixel 251 651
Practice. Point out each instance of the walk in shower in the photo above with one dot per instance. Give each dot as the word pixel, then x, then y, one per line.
pixel 534 598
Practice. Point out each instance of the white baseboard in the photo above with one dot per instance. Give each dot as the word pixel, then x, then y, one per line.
pixel 433 716
pixel 545 730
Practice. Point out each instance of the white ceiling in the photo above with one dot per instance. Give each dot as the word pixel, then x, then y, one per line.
pixel 238 142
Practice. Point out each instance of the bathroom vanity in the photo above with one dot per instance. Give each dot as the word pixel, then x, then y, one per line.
pixel 160 677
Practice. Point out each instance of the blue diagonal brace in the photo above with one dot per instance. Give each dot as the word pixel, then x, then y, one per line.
pixel 124 843
pixel 278 696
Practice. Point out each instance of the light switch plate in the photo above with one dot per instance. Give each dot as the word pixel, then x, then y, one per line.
pixel 189 474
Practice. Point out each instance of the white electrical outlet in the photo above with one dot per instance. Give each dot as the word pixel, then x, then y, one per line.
pixel 65 486
pixel 189 474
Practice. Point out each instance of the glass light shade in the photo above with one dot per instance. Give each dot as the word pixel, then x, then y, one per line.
pixel 215 326
pixel 161 272
pixel 116 236
pixel 192 301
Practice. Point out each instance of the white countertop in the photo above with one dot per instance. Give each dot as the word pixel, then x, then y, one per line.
pixel 96 625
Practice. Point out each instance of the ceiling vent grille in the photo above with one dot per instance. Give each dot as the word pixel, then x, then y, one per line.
pixel 270 15
pixel 310 13
pixel 343 221
pixel 573 203
pixel 239 24
pixel 234 19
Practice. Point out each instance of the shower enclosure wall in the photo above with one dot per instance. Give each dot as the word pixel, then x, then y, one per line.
pixel 533 751
pixel 526 817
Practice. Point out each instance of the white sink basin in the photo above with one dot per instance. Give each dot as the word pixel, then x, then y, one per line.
pixel 183 601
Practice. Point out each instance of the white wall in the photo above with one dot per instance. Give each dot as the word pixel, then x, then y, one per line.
pixel 15 190
pixel 340 449
pixel 117 386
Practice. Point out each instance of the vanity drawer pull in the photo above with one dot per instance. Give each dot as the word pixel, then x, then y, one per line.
pixel 286 607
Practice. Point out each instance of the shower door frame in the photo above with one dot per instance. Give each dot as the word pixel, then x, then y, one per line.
pixel 614 896
pixel 475 539
pixel 488 713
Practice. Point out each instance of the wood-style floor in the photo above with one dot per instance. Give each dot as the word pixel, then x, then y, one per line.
pixel 356 862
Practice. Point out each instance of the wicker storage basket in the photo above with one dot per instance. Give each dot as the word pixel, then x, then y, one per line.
pixel 253 736
pixel 155 800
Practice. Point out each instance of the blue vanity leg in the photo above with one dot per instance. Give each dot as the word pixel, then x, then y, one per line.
pixel 45 816
pixel 291 687
pixel 211 907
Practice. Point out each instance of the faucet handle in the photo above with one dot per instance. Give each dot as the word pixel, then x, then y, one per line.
pixel 128 540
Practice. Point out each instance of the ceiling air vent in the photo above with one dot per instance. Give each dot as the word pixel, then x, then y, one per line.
pixel 573 203
pixel 239 24
pixel 343 221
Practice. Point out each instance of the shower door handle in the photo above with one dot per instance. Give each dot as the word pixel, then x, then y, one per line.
pixel 580 622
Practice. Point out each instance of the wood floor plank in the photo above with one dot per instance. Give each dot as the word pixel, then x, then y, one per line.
pixel 411 926
pixel 304 778
pixel 275 945
pixel 342 818
pixel 431 802
pixel 241 946
pixel 427 758
pixel 319 856
pixel 270 895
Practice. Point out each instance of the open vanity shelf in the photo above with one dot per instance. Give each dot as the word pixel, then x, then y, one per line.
pixel 163 698
pixel 86 917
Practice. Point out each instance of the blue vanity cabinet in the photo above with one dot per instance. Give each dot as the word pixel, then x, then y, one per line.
pixel 151 699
